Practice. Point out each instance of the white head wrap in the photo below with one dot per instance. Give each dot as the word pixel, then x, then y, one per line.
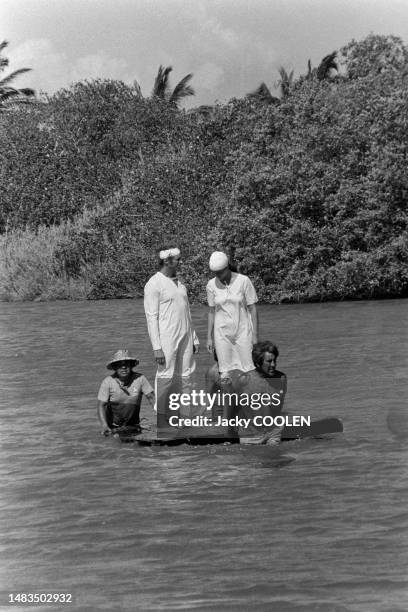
pixel 169 253
pixel 218 261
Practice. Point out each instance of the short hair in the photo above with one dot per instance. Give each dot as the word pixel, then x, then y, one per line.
pixel 260 348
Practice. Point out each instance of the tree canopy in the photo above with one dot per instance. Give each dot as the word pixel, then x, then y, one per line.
pixel 308 195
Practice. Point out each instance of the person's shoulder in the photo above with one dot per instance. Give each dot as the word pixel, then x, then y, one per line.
pixel 153 280
pixel 108 381
pixel 137 377
pixel 211 283
pixel 109 377
pixel 242 278
pixel 245 279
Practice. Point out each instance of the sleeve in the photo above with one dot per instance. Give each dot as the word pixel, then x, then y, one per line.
pixel 151 306
pixel 104 391
pixel 210 296
pixel 145 386
pixel 249 292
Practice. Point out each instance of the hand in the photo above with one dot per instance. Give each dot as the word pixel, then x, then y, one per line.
pixel 159 356
pixel 210 345
pixel 254 339
pixel 196 348
pixel 106 432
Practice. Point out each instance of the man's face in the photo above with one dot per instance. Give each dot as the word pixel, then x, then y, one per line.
pixel 123 369
pixel 269 364
pixel 173 262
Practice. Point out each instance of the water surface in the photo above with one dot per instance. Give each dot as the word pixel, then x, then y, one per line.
pixel 316 525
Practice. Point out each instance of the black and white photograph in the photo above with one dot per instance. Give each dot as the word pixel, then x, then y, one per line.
pixel 203 305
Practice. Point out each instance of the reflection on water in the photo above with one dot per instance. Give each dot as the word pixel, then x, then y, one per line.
pixel 313 525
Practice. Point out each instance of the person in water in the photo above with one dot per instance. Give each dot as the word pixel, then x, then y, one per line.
pixel 120 395
pixel 171 332
pixel 264 379
pixel 232 317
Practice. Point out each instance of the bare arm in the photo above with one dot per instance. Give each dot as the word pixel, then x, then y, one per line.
pixel 150 398
pixel 253 313
pixel 102 411
pixel 210 332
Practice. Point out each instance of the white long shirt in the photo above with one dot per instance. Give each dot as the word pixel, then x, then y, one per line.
pixel 232 321
pixel 169 325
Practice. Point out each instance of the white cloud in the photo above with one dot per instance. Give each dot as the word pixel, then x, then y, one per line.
pixel 53 69
pixel 208 76
pixel 99 65
pixel 49 67
pixel 229 45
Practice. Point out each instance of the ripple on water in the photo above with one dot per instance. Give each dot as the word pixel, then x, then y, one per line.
pixel 315 525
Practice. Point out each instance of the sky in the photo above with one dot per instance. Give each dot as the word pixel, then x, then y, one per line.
pixel 230 46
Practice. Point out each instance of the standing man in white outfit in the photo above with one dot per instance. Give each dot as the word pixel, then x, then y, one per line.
pixel 173 338
pixel 232 318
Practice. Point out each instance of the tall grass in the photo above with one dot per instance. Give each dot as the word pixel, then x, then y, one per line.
pixel 31 270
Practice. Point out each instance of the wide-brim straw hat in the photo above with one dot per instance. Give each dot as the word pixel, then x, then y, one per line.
pixel 121 355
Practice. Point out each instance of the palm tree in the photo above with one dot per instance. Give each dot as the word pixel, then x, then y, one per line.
pixel 323 71
pixel 263 93
pixel 161 87
pixel 327 64
pixel 10 95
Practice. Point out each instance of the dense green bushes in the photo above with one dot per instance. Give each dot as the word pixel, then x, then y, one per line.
pixel 309 196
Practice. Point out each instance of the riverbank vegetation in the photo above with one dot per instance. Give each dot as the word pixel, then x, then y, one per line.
pixel 306 191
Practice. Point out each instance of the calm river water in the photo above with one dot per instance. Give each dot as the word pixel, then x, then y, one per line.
pixel 123 527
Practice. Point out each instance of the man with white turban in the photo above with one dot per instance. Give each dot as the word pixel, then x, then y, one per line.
pixel 232 319
pixel 173 338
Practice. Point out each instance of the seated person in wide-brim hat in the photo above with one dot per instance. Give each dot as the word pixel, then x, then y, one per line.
pixel 120 395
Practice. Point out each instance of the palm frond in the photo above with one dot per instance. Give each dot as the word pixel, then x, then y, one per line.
pixel 161 83
pixel 10 77
pixel 285 82
pixel 327 64
pixel 27 91
pixel 138 89
pixel 182 89
pixel 3 45
pixel 7 93
pixel 10 96
pixel 4 62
